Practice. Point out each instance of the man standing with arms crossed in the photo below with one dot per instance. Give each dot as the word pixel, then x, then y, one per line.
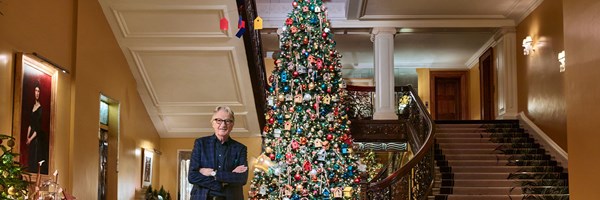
pixel 219 165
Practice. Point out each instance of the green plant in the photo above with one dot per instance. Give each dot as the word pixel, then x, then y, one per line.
pixel 153 194
pixel 12 174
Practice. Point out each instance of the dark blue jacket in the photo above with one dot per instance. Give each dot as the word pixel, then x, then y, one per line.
pixel 226 181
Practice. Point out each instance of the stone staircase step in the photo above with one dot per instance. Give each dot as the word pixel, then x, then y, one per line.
pixel 492 169
pixel 486 136
pixel 454 163
pixel 497 182
pixel 482 140
pixel 497 190
pixel 475 130
pixel 494 156
pixel 493 151
pixel 497 197
pixel 486 145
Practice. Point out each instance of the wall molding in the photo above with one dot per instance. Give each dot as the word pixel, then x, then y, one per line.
pixel 556 151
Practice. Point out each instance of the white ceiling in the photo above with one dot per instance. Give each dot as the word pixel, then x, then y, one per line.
pixel 185 65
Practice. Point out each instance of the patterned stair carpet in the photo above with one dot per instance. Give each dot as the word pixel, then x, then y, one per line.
pixel 494 160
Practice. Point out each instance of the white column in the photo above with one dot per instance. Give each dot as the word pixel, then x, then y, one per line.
pixel 383 40
pixel 506 67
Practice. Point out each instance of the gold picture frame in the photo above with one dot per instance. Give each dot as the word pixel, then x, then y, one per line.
pixel 35 88
pixel 147 159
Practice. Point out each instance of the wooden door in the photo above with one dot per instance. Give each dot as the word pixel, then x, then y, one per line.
pixel 447 98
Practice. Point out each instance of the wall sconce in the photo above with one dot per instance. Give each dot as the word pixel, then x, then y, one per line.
pixel 527 45
pixel 561 59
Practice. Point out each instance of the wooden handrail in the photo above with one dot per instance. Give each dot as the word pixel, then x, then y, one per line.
pixel 426 148
pixel 372 88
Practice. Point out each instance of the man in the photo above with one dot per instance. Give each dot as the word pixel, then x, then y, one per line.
pixel 218 166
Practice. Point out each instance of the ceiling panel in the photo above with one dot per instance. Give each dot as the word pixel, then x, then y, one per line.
pixel 170 21
pixel 184 64
pixel 443 9
pixel 183 76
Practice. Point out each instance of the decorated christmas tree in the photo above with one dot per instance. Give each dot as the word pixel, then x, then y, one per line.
pixel 307 142
pixel 12 184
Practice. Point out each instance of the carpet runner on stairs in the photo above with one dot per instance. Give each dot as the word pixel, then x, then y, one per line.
pixel 494 160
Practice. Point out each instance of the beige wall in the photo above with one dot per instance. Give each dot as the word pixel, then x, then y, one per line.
pixel 88 49
pixel 169 164
pixel 542 95
pixel 102 68
pixel 45 27
pixel 474 93
pixel 169 176
pixel 582 39
pixel 423 81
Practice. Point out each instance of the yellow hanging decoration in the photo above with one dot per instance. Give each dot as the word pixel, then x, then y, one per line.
pixel 258 23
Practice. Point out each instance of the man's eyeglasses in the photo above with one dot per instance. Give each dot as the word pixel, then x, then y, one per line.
pixel 221 121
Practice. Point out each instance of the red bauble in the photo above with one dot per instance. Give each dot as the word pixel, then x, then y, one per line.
pixel 305 41
pixel 324 35
pixel 289 21
pixel 272 156
pixel 331 67
pixel 344 137
pixel 329 137
pixel 295 74
pixel 357 180
pixel 271 121
pixel 295 4
pixel 297 177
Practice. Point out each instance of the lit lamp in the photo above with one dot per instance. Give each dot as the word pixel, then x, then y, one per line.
pixel 527 45
pixel 561 59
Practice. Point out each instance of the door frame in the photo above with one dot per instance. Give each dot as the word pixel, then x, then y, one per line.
pixel 464 103
pixel 486 84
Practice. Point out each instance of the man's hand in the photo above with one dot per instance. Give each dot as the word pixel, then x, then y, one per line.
pixel 206 171
pixel 240 169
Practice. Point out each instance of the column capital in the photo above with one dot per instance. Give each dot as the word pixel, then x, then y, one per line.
pixel 383 30
pixel 377 31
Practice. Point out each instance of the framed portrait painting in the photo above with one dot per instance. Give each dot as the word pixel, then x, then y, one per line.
pixel 34 108
pixel 147 158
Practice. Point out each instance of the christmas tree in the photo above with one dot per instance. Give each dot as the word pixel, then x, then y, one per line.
pixel 12 184
pixel 307 142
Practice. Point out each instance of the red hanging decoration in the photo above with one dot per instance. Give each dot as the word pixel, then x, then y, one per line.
pixel 224 24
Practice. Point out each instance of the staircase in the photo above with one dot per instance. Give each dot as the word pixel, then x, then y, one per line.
pixel 493 160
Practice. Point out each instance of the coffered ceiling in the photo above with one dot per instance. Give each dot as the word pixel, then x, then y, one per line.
pixel 185 65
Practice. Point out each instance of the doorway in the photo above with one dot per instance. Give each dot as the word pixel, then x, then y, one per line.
pixel 108 149
pixel 449 97
pixel 486 77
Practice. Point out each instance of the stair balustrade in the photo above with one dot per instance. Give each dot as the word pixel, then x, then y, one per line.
pixel 413 180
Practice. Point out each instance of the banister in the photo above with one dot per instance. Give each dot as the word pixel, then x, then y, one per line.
pixel 422 131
